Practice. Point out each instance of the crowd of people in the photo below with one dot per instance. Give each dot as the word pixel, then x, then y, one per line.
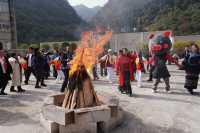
pixel 36 62
pixel 127 65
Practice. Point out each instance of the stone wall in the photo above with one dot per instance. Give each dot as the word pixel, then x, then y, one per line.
pixel 188 38
pixel 134 41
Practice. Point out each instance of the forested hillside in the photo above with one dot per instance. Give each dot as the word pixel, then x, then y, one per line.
pixel 46 20
pixel 181 16
pixel 86 13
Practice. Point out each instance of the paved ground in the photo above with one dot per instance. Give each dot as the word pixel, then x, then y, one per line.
pixel 146 112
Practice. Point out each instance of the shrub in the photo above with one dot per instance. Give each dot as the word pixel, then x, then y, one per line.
pixel 23 46
pixel 73 47
pixel 65 44
pixel 35 45
pixel 179 47
pixel 45 46
pixel 198 43
pixel 56 46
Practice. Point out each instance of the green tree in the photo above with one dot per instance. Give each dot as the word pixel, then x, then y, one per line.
pixel 65 44
pixel 22 46
pixel 179 46
pixel 73 47
pixel 46 21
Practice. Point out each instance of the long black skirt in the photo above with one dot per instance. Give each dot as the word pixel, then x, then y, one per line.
pixel 191 81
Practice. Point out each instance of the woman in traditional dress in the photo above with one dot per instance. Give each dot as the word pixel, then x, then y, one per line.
pixel 39 68
pixel 125 72
pixel 192 69
pixel 17 74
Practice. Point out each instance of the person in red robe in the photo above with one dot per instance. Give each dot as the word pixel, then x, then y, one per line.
pixel 125 72
pixel 133 57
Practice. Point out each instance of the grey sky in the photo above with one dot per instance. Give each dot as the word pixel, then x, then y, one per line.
pixel 88 3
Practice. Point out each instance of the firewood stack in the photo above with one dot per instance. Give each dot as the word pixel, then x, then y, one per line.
pixel 80 92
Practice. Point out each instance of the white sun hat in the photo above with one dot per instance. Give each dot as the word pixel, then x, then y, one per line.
pixel 109 50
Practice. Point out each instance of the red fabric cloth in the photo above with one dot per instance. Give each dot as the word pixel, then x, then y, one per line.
pixel 139 66
pixel 151 61
pixel 167 34
pixel 133 58
pixel 24 66
pixel 124 64
pixel 172 59
pixel 158 47
pixel 167 57
pixel 58 66
pixel 56 63
pixel 151 36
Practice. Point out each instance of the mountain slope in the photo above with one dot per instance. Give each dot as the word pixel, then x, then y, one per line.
pixel 86 13
pixel 181 16
pixel 46 20
pixel 118 14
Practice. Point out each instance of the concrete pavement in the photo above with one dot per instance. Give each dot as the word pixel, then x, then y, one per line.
pixel 147 112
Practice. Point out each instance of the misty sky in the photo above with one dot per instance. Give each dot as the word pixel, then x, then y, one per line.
pixel 88 3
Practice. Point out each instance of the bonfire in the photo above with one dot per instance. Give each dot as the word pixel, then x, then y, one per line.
pixel 80 92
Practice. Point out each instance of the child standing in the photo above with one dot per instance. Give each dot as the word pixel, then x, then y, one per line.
pixel 58 69
pixel 139 69
pixel 57 65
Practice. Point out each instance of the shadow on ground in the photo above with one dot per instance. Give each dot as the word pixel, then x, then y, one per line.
pixel 132 124
pixel 30 96
pixel 10 102
pixel 13 118
pixel 159 98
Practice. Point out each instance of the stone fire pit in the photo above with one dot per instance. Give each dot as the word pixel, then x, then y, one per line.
pixel 99 119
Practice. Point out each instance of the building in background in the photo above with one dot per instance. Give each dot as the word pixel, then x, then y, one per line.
pixel 8 34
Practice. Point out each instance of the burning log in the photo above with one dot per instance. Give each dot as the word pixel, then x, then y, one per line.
pixel 81 110
pixel 80 92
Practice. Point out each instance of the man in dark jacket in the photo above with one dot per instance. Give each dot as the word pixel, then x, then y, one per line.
pixel 46 61
pixel 5 71
pixel 66 57
pixel 29 70
pixel 38 65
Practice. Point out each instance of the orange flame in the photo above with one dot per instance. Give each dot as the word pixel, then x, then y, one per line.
pixel 89 49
